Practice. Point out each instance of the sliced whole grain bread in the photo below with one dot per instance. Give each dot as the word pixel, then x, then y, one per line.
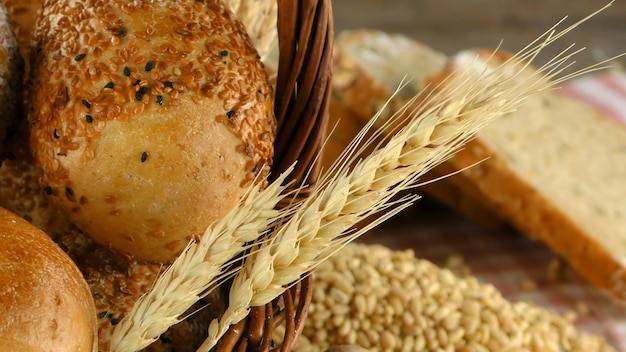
pixel 555 169
pixel 370 65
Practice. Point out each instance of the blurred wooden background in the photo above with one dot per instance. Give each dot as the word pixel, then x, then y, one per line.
pixel 452 25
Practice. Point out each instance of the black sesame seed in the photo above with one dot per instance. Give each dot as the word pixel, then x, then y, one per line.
pixel 79 57
pixel 67 94
pixel 122 31
pixel 169 84
pixel 69 191
pixel 102 314
pixel 230 113
pixel 137 82
pixel 86 103
pixel 138 95
pixel 55 133
pixel 126 71
pixel 255 169
pixel 88 118
pixel 110 85
pixel 224 52
pixel 159 99
pixel 114 321
pixel 149 66
pixel 144 157
pixel 48 190
pixel 143 90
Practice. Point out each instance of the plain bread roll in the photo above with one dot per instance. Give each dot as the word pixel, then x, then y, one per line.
pixel 45 301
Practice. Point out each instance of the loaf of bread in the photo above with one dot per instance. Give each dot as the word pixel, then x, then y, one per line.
pixel 45 301
pixel 554 169
pixel 149 120
pixel 370 66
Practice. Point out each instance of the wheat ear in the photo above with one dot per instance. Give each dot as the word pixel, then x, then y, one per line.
pixel 197 270
pixel 351 192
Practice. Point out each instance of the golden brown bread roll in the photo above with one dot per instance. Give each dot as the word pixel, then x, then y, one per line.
pixel 149 119
pixel 45 301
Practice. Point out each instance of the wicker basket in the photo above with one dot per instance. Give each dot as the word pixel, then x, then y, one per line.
pixel 305 34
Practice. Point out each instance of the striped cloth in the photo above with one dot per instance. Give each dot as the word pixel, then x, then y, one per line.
pixel 605 91
pixel 519 267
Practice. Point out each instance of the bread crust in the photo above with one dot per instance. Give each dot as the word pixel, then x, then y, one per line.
pixel 358 97
pixel 46 303
pixel 537 217
pixel 150 119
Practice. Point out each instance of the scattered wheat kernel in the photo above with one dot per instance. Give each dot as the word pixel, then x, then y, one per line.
pixel 528 285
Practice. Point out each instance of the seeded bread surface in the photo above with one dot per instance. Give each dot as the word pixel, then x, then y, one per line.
pixel 149 119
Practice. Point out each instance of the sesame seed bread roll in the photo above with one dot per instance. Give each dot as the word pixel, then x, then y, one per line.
pixel 45 301
pixel 11 73
pixel 117 282
pixel 149 120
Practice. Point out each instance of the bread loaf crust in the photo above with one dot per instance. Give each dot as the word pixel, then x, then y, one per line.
pixel 46 303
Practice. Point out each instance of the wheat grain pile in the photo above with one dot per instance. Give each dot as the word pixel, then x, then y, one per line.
pixel 385 300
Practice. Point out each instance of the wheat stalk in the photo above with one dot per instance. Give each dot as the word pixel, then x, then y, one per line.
pixel 357 189
pixel 196 271
pixel 308 232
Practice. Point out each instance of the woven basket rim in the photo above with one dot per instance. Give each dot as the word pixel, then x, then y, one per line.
pixel 305 38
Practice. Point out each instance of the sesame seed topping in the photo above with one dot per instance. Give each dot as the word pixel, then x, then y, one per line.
pixel 110 85
pixel 56 134
pixel 138 95
pixel 224 52
pixel 86 103
pixel 169 84
pixel 230 114
pixel 122 31
pixel 159 99
pixel 48 190
pixel 149 66
pixel 126 71
pixel 88 118
pixel 69 191
pixel 79 57
pixel 144 157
